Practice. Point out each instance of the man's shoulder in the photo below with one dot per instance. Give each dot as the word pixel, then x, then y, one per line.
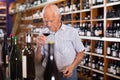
pixel 68 27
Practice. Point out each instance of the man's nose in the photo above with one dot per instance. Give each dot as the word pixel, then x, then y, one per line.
pixel 48 23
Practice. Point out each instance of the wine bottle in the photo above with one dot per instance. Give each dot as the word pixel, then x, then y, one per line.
pixel 28 60
pixel 2 77
pixel 51 71
pixel 1 73
pixel 15 62
pixel 5 51
pixel 5 56
pixel 113 50
pixel 11 43
pixel 118 68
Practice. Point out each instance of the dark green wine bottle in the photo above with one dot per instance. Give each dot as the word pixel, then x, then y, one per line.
pixel 51 70
pixel 28 60
pixel 5 51
pixel 5 56
pixel 2 77
pixel 15 62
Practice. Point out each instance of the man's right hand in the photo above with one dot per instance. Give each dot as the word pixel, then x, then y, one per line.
pixel 40 40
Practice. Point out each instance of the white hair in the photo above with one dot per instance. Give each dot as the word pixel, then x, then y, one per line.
pixel 53 7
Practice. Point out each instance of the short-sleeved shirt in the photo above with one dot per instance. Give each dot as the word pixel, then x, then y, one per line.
pixel 67 45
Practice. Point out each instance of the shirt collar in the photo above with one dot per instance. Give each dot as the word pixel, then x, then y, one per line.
pixel 62 27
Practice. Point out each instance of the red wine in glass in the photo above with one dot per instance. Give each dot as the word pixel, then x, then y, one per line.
pixel 46 34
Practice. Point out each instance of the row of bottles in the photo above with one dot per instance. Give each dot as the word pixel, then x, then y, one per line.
pixel 85 4
pixel 98 2
pixel 99 47
pixel 85 29
pixel 87 45
pixel 27 4
pixel 98 63
pixel 96 31
pixel 114 12
pixel 114 67
pixel 20 62
pixel 113 30
pixel 86 60
pixel 97 76
pixel 87 73
pixel 83 72
pixel 113 49
pixel 15 62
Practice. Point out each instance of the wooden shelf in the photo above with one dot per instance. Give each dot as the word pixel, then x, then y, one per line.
pixel 84 66
pixel 97 6
pixel 112 19
pixel 85 10
pixel 101 38
pixel 113 3
pixel 3 15
pixel 87 53
pixel 109 57
pixel 111 75
pixel 98 71
pixel 2 7
pixel 98 20
pixel 98 55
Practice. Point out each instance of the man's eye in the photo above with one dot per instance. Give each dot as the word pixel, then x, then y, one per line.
pixel 51 21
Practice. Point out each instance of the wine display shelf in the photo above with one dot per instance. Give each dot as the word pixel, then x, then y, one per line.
pixel 76 17
pixel 3 18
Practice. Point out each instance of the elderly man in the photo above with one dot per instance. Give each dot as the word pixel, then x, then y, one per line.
pixel 68 46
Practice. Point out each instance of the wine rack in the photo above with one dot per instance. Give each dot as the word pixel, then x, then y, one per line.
pixel 3 19
pixel 98 24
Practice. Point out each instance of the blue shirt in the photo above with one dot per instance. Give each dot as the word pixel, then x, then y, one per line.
pixel 67 45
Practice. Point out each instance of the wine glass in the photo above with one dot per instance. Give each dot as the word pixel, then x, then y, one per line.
pixel 45 31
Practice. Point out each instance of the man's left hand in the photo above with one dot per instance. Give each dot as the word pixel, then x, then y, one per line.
pixel 67 73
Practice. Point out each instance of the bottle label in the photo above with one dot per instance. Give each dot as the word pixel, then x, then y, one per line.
pixel 24 66
pixel 108 50
pixel 114 54
pixel 93 65
pixel 52 78
pixel 117 70
pixel 119 55
pixel 6 59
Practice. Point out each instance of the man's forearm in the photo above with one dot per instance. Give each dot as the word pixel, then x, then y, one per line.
pixel 78 58
pixel 38 54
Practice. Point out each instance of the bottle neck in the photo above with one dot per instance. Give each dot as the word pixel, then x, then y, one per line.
pixel 11 43
pixel 51 51
pixel 15 42
pixel 28 45
pixel 28 40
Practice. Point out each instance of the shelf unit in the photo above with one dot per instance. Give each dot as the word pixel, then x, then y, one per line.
pixel 77 18
pixel 3 18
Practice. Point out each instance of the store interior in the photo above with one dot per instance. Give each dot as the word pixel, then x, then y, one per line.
pixel 97 22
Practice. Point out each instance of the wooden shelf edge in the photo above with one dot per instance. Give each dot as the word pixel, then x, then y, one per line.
pixel 111 75
pixel 109 57
pixel 101 38
pixel 40 5
pixel 113 3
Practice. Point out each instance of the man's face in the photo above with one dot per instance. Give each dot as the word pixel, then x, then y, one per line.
pixel 51 21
